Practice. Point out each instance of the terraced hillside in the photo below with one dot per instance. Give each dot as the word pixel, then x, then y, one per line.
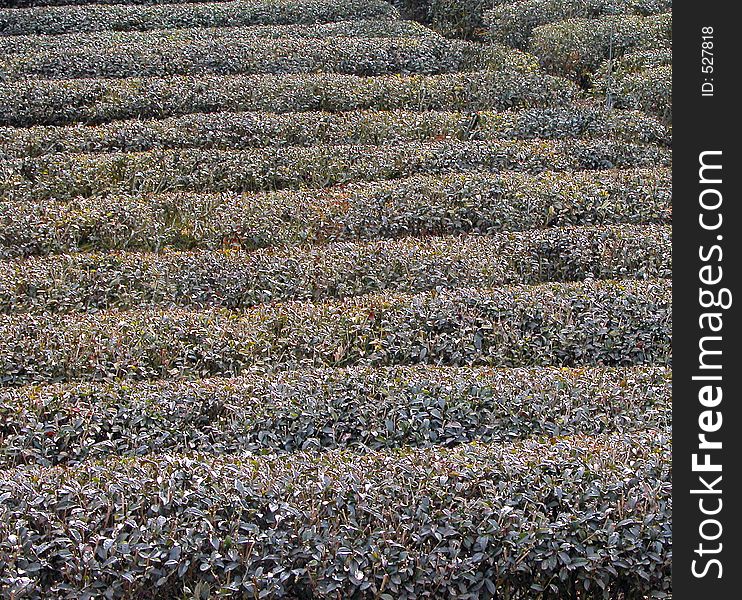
pixel 335 299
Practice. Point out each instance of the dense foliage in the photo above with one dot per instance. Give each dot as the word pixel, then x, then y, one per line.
pixel 299 299
pixel 66 176
pixel 574 324
pixel 355 407
pixel 576 47
pixel 259 129
pixel 421 205
pixel 513 23
pixel 237 280
pixel 584 513
pixel 51 102
pixel 84 16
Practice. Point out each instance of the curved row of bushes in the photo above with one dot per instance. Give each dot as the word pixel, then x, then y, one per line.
pixel 649 91
pixel 454 18
pixel 85 282
pixel 39 3
pixel 327 391
pixel 577 47
pixel 99 101
pixel 488 519
pixel 260 129
pixel 635 62
pixel 512 23
pixel 639 80
pixel 612 71
pixel 125 17
pixel 66 176
pixel 566 324
pixel 357 407
pixel 420 205
pixel 237 55
pixel 108 40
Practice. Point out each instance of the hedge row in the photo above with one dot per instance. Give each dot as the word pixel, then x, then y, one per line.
pixel 38 3
pixel 634 62
pixel 358 407
pixel 591 323
pixel 420 205
pixel 524 520
pixel 577 47
pixel 99 101
pixel 649 90
pixel 236 55
pixel 250 129
pixel 641 80
pixel 92 282
pixel 456 18
pixel 109 41
pixel 66 176
pixel 468 18
pixel 513 23
pixel 127 17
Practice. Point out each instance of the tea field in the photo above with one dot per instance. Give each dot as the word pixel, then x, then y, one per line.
pixel 335 299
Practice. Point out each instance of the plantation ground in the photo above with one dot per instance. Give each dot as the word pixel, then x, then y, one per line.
pixel 335 299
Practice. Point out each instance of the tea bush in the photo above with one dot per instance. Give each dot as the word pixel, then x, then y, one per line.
pixel 462 18
pixel 641 80
pixel 649 90
pixel 66 176
pixel 513 23
pixel 230 55
pixel 566 324
pixel 82 17
pixel 355 407
pixel 91 101
pixel 37 3
pixel 260 129
pixel 302 300
pixel 576 47
pixel 85 282
pixel 421 205
pixel 586 512
pixel 110 39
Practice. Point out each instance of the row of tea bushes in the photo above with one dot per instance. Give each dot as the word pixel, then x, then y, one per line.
pixel 226 55
pixel 38 3
pixel 251 129
pixel 66 176
pixel 577 47
pixel 566 324
pixel 634 62
pixel 42 102
pixel 470 18
pixel 649 90
pixel 108 40
pixel 235 280
pixel 358 407
pixel 454 18
pixel 420 205
pixel 513 23
pixel 639 80
pixel 457 18
pixel 127 17
pixel 519 520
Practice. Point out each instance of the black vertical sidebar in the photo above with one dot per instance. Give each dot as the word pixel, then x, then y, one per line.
pixel 707 427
